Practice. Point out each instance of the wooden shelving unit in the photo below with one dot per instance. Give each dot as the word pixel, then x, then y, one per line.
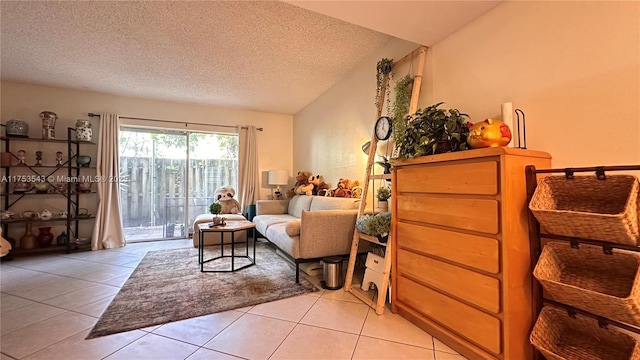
pixel 368 297
pixel 69 171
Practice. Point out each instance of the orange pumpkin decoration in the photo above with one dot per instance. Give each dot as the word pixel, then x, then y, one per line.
pixel 488 133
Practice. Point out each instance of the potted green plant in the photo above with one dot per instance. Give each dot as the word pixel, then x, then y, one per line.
pixel 434 131
pixel 215 208
pixel 375 225
pixel 404 88
pixel 384 162
pixel 383 194
pixel 384 68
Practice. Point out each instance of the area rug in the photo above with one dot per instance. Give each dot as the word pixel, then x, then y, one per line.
pixel 168 286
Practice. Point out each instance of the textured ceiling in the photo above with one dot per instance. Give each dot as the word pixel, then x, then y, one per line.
pixel 267 56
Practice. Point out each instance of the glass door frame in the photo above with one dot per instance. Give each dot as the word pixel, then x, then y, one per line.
pixel 188 180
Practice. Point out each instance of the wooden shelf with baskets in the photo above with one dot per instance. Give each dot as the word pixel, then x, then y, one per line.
pixel 579 226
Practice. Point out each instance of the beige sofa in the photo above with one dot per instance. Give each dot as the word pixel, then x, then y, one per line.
pixel 308 228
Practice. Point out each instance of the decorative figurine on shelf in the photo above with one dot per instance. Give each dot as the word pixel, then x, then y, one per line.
pixel 59 158
pixel 488 133
pixel 84 186
pixel 21 156
pixel 38 158
pixel 48 124
pixel 83 130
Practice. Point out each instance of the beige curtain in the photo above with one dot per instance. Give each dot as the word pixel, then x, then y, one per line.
pixel 108 233
pixel 248 177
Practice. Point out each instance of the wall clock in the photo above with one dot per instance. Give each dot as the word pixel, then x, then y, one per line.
pixel 383 128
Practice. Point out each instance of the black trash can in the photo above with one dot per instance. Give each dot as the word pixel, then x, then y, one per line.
pixel 332 272
pixel 251 213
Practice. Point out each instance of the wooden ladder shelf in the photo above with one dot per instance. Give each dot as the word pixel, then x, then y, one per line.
pixel 379 304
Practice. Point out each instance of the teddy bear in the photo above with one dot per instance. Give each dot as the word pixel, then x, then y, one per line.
pixel 224 195
pixel 302 179
pixel 320 187
pixel 306 188
pixel 356 189
pixel 342 189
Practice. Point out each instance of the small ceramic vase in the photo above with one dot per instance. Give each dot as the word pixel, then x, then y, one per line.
pixel 48 124
pixel 45 237
pixel 218 220
pixel 83 130
pixel 83 160
pixel 41 187
pixel 62 239
pixel 16 127
pixel 28 240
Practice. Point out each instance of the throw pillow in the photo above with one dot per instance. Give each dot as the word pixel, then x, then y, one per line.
pixel 293 227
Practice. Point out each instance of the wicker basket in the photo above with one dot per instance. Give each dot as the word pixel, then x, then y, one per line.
pixel 589 208
pixel 589 279
pixel 559 337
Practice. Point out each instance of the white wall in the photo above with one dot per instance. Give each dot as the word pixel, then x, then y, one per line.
pixel 573 67
pixel 329 132
pixel 27 101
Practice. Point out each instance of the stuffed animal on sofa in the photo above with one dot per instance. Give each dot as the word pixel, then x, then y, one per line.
pixel 306 188
pixel 224 195
pixel 356 189
pixel 320 187
pixel 302 179
pixel 342 189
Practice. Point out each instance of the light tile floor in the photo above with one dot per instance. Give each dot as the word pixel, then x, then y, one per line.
pixel 49 304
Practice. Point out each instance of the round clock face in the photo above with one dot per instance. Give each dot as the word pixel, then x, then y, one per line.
pixel 383 128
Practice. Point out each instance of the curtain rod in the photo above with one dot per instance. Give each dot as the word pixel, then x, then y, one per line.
pixel 174 122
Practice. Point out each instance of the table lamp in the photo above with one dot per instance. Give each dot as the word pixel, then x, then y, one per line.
pixel 277 178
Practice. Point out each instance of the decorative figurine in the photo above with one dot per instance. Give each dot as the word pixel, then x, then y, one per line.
pixel 59 158
pixel 488 133
pixel 38 158
pixel 21 156
pixel 48 124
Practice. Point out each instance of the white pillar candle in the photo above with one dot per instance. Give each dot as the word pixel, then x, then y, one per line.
pixel 506 109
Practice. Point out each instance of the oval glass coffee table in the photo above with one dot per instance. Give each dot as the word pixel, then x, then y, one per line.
pixel 231 227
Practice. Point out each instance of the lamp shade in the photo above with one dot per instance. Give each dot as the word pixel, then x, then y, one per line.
pixel 366 147
pixel 278 177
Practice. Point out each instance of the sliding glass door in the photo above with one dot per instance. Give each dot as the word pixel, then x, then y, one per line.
pixel 172 178
pixel 213 162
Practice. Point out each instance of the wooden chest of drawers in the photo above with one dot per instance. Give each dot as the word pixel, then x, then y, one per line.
pixel 461 265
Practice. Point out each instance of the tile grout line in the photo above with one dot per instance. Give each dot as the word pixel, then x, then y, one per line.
pixel 296 324
pixel 353 352
pixel 314 302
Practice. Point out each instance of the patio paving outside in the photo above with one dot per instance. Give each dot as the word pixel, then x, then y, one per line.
pixel 147 233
